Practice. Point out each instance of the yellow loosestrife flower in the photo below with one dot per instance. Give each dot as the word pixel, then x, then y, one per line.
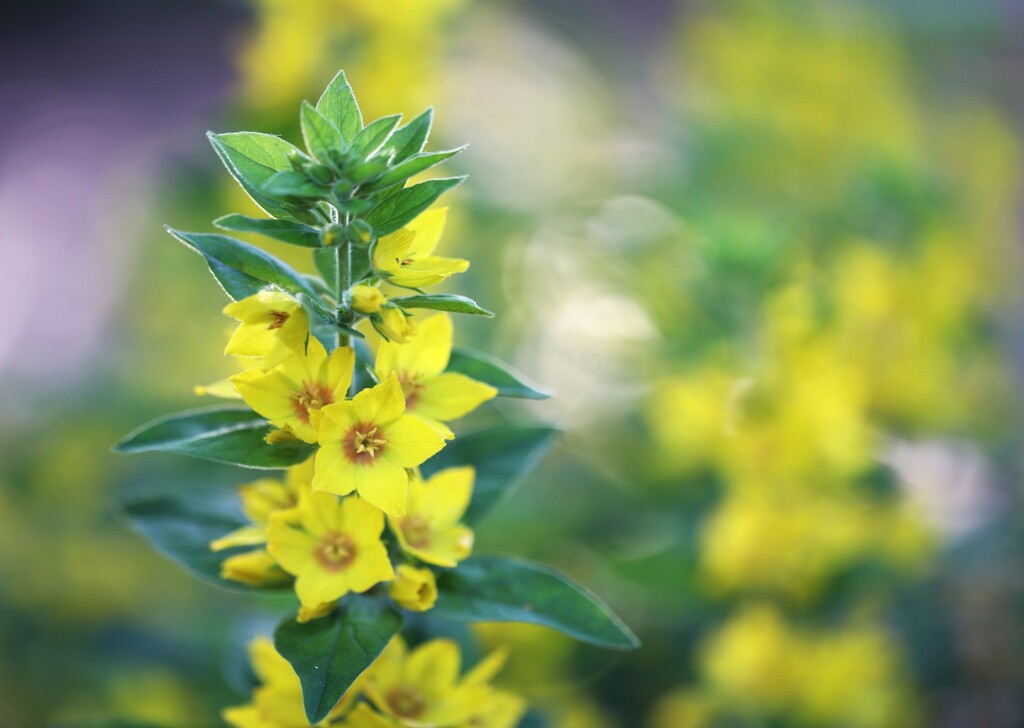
pixel 406 256
pixel 277 703
pixel 422 687
pixel 367 299
pixel 262 498
pixel 331 545
pixel 430 392
pixel 292 393
pixel 430 529
pixel 273 327
pixel 368 442
pixel 415 589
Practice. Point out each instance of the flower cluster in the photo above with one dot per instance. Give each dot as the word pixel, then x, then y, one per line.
pixel 349 382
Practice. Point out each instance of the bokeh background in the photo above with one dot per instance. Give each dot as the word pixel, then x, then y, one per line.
pixel 766 254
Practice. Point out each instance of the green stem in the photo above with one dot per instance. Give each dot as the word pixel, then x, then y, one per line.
pixel 343 281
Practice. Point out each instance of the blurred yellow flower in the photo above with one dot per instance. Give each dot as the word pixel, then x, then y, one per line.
pixel 272 328
pixel 367 299
pixel 406 257
pixel 292 394
pixel 431 393
pixel 430 529
pixel 260 499
pixel 394 325
pixel 331 545
pixel 367 443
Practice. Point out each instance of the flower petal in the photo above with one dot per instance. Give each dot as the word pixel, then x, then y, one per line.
pixel 410 441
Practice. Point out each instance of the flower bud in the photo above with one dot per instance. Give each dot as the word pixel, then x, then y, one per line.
pixel 366 299
pixel 332 234
pixel 360 231
pixel 414 589
pixel 394 325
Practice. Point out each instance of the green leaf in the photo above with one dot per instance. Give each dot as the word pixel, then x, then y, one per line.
pixel 323 140
pixel 363 375
pixel 370 139
pixel 224 434
pixel 500 589
pixel 502 457
pixel 326 262
pixel 294 233
pixel 409 167
pixel 322 323
pixel 412 137
pixel 252 159
pixel 338 105
pixel 397 209
pixel 443 302
pixel 293 184
pixel 329 653
pixel 240 268
pixel 490 370
pixel 181 525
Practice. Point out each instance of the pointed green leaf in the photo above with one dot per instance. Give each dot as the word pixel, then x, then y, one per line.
pixel 293 184
pixel 240 268
pixel 338 105
pixel 329 653
pixel 370 139
pixel 294 233
pixel 398 208
pixel 323 140
pixel 411 138
pixel 225 434
pixel 181 523
pixel 501 589
pixel 326 262
pixel 491 370
pixel 409 167
pixel 254 158
pixel 443 302
pixel 502 457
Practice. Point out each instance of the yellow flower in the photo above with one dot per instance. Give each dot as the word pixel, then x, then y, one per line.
pixel 367 299
pixel 430 529
pixel 277 703
pixel 430 392
pixel 501 709
pixel 422 687
pixel 260 499
pixel 331 545
pixel 394 325
pixel 367 443
pixel 222 388
pixel 405 257
pixel 255 568
pixel 291 394
pixel 364 717
pixel 415 589
pixel 273 327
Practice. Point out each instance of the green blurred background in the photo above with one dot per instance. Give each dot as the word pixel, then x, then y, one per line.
pixel 766 255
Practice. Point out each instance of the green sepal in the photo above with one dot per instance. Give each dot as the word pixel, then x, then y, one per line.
pixel 322 324
pixel 411 138
pixel 181 524
pixel 323 139
pixel 443 302
pixel 491 370
pixel 286 231
pixel 252 159
pixel 224 434
pixel 293 184
pixel 329 653
pixel 338 104
pixel 240 268
pixel 502 589
pixel 415 164
pixel 374 134
pixel 501 456
pixel 402 206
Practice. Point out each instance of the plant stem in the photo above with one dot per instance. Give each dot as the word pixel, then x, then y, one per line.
pixel 343 281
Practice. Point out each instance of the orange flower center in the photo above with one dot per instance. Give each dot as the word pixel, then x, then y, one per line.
pixel 406 701
pixel 277 319
pixel 411 387
pixel 334 551
pixel 363 444
pixel 417 531
pixel 312 396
